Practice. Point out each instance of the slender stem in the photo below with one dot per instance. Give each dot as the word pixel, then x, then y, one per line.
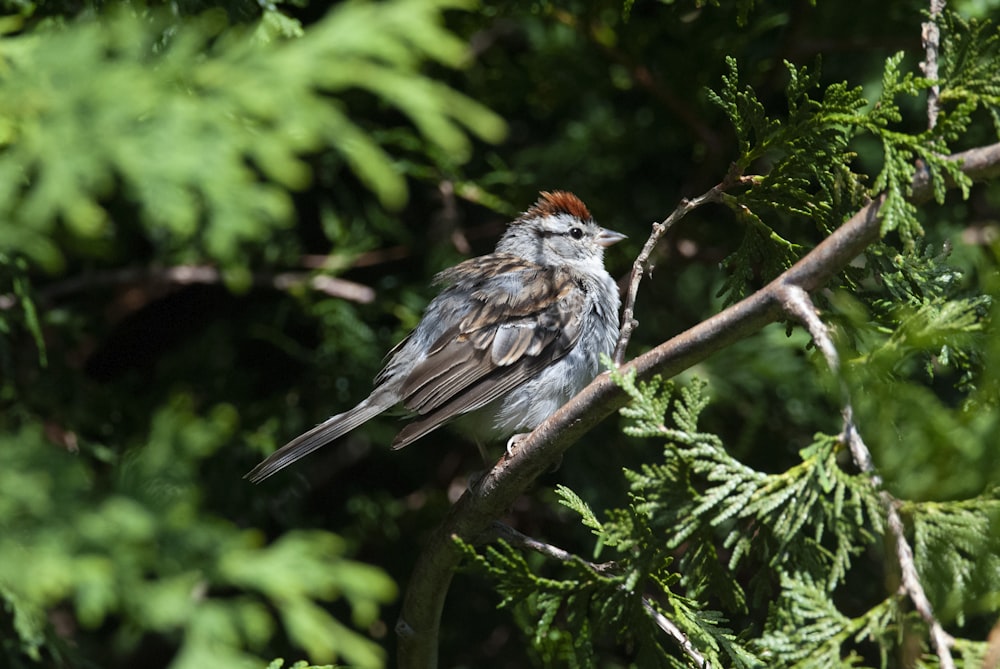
pixel 185 275
pixel 930 35
pixel 521 540
pixel 799 305
pixel 642 266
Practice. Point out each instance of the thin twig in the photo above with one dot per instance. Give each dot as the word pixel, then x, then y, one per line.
pixel 930 35
pixel 798 304
pixel 521 540
pixel 940 639
pixel 675 633
pixel 641 265
pixel 184 275
pixel 330 285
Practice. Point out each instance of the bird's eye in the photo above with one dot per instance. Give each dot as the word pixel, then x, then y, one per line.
pixel 576 233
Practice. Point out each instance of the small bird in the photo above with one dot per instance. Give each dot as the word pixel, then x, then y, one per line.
pixel 511 337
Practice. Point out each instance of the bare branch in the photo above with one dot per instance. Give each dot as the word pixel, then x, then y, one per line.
pixel 930 35
pixel 798 304
pixel 641 265
pixel 521 540
pixel 941 640
pixel 675 633
pixel 185 275
pixel 330 285
pixel 472 515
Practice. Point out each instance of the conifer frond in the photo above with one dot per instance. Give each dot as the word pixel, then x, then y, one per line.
pixel 813 514
pixel 803 165
pixel 922 320
pixel 805 628
pixel 803 161
pixel 933 327
pixel 970 54
pixel 648 404
pixel 957 550
pixel 570 499
pixel 590 604
pixel 801 529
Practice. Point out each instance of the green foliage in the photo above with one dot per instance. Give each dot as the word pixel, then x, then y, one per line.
pixel 204 129
pixel 970 49
pixel 922 322
pixel 925 328
pixel 597 602
pixel 798 532
pixel 129 133
pixel 957 546
pixel 699 485
pixel 301 664
pixel 135 551
pixel 621 599
pixel 804 161
pixel 805 629
pixel 786 549
pixel 939 327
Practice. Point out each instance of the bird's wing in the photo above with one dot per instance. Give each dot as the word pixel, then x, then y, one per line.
pixel 522 317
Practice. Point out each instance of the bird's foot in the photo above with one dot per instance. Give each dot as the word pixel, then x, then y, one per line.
pixel 514 441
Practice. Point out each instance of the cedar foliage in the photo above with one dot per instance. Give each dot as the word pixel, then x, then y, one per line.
pixel 244 136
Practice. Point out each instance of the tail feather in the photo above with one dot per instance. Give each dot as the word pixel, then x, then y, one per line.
pixel 330 429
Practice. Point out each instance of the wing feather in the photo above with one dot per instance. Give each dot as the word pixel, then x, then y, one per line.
pixel 524 317
pixel 486 390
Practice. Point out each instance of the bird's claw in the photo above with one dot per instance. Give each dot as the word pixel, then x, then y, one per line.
pixel 514 441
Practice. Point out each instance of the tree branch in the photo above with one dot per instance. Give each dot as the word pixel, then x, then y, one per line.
pixel 496 491
pixel 930 35
pixel 799 305
pixel 521 540
pixel 641 265
pixel 184 275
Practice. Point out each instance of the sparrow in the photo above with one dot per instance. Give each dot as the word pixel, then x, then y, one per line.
pixel 511 337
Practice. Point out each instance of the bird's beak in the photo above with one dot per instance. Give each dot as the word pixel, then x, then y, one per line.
pixel 608 237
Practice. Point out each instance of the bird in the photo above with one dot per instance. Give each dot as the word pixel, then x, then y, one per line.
pixel 510 337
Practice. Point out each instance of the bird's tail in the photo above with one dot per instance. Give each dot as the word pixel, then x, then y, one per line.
pixel 330 429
